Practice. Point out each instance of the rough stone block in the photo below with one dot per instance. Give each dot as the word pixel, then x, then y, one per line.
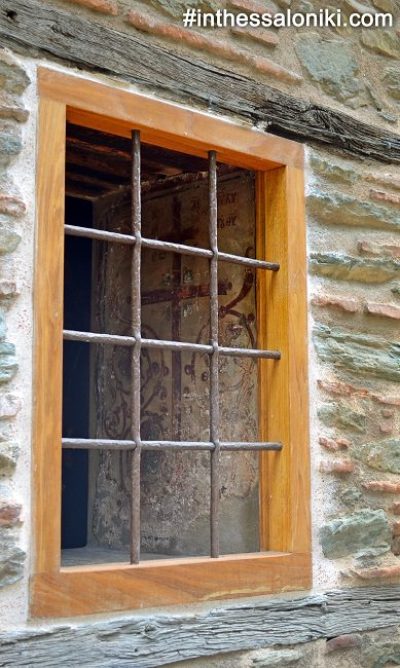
pixel 348 268
pixel 340 415
pixel 383 42
pixel 3 328
pixel 382 456
pixel 8 458
pixel 13 112
pixel 385 5
pixel 365 530
pixel 12 559
pixel 359 353
pixel 9 240
pixel 392 81
pixel 8 363
pixel 333 171
pixel 10 143
pixel 340 209
pixel 332 64
pixel 8 289
pixel 13 78
pixel 10 405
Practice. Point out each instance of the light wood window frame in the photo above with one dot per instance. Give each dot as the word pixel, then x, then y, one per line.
pixel 285 563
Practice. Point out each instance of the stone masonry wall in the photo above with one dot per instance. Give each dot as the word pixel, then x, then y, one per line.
pixel 353 211
pixel 354 70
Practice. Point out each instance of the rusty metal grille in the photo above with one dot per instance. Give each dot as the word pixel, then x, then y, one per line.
pixel 135 341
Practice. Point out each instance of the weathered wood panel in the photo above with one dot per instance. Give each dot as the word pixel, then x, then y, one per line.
pixel 56 34
pixel 156 640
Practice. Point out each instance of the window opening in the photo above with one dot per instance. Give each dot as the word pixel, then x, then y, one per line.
pixel 141 197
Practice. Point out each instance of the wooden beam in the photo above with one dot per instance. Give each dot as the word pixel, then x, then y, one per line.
pixel 56 34
pixel 158 639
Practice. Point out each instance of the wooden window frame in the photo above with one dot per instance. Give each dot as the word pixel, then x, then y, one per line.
pixel 284 476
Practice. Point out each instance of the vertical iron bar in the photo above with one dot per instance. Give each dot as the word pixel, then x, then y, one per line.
pixel 135 359
pixel 214 380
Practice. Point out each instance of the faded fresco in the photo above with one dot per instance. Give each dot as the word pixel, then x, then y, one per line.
pixel 175 386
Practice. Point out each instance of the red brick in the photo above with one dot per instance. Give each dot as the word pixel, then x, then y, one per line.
pixel 338 466
pixel 9 514
pixel 336 387
pixel 388 401
pixel 334 444
pixel 378 572
pixel 343 642
pixel 395 508
pixel 387 180
pixel 382 486
pixel 205 43
pixel 376 250
pixel 387 413
pixel 344 303
pixel 11 205
pixel 384 310
pixel 386 428
pixel 102 6
pixel 380 196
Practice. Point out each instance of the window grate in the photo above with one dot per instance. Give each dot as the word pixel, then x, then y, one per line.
pixel 135 445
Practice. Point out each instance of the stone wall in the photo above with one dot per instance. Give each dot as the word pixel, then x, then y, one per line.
pixel 349 69
pixel 353 209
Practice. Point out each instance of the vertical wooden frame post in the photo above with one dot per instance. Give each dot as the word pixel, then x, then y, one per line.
pixel 48 299
pixel 285 476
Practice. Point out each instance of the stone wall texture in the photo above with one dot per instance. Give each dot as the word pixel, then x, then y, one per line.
pixel 353 212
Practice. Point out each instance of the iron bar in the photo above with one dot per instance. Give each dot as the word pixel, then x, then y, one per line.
pixel 214 359
pixel 157 244
pixel 250 352
pixel 248 261
pixel 98 235
pixel 91 337
pixel 116 339
pixel 111 444
pixel 135 359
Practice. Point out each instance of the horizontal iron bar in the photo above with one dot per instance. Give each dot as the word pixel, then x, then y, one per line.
pixel 250 352
pixel 183 249
pixel 118 340
pixel 110 444
pixel 115 339
pixel 98 235
pixel 248 261
pixel 91 337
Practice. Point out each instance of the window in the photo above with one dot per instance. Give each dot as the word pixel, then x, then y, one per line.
pixel 122 265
